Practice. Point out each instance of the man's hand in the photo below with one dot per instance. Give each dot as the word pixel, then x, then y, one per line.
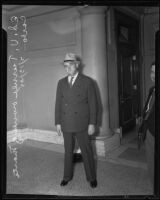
pixel 59 131
pixel 91 129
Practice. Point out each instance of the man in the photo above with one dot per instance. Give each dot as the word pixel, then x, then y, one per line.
pixel 148 125
pixel 75 117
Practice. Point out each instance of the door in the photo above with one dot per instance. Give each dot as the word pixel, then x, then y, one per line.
pixel 127 36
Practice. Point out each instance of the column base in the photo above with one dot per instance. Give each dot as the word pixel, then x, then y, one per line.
pixel 103 145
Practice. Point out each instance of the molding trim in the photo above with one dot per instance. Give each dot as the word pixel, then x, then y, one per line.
pixel 90 10
pixel 36 9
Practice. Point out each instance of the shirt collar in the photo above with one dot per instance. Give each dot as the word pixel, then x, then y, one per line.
pixel 74 77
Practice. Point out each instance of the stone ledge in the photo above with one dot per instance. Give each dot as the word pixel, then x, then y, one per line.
pixel 35 134
pixel 102 146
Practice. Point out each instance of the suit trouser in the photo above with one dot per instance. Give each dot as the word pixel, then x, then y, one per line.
pixel 149 147
pixel 87 154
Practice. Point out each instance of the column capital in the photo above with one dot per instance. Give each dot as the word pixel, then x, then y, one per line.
pixel 90 10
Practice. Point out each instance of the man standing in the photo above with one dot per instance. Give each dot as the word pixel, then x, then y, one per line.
pixel 75 117
pixel 147 128
pixel 150 121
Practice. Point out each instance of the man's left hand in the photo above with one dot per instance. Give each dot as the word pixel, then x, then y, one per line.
pixel 91 129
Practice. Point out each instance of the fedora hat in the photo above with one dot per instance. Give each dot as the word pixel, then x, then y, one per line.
pixel 70 57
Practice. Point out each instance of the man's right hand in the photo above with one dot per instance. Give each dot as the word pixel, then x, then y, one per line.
pixel 59 130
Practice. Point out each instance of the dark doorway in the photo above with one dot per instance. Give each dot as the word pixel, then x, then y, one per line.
pixel 127 36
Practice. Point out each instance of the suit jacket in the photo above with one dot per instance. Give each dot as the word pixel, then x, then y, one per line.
pixel 75 107
pixel 150 117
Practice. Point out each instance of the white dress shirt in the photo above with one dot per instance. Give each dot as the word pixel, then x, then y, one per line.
pixel 74 78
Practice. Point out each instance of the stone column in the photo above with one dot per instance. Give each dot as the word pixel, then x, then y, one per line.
pixel 94 57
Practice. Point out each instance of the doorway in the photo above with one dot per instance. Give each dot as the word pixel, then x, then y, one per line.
pixel 127 40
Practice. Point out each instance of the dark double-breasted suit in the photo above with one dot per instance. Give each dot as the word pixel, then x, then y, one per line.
pixel 149 116
pixel 75 109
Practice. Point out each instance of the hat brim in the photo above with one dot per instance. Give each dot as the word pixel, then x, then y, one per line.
pixel 70 61
pixel 77 61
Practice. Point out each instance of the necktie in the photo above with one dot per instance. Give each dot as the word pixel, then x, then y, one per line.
pixel 71 82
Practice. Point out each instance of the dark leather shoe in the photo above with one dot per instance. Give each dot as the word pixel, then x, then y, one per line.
pixel 77 157
pixel 63 183
pixel 93 184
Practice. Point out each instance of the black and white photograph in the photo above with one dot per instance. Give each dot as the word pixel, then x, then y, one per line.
pixel 80 99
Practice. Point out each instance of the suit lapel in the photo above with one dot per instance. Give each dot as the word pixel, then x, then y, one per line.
pixel 147 102
pixel 78 81
pixel 66 84
pixel 77 84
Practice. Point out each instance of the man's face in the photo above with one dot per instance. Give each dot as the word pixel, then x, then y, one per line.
pixel 71 67
pixel 153 73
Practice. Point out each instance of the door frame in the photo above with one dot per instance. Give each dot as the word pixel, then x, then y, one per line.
pixel 138 50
